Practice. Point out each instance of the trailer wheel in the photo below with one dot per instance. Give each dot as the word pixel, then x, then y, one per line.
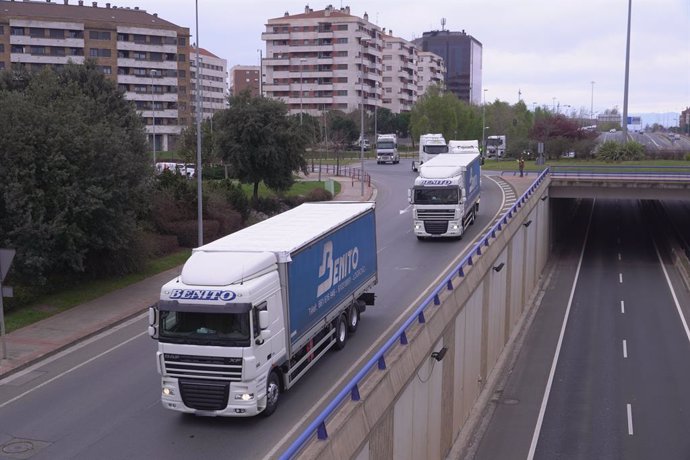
pixel 272 394
pixel 340 332
pixel 353 319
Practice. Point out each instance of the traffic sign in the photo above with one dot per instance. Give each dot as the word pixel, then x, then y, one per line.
pixel 6 257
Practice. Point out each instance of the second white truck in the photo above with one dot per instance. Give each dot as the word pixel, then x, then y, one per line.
pixel 445 196
pixel 430 145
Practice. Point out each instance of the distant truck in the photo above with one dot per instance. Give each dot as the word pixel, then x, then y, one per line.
pixel 252 312
pixel 430 145
pixel 495 146
pixel 387 149
pixel 445 196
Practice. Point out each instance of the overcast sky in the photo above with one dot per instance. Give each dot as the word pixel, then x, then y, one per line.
pixel 544 49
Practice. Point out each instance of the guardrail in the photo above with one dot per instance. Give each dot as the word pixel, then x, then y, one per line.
pixel 352 172
pixel 639 173
pixel 378 361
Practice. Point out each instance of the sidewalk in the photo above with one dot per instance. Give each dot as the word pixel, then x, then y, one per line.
pixel 37 341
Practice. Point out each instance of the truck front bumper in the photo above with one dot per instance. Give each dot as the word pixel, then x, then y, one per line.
pixel 437 228
pixel 228 399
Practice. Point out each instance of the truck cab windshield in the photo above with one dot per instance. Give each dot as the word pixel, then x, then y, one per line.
pixel 435 149
pixel 200 328
pixel 436 196
pixel 385 145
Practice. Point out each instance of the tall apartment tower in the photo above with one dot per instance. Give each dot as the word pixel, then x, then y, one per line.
pixel 399 73
pixel 462 55
pixel 323 60
pixel 431 71
pixel 245 77
pixel 145 55
pixel 214 82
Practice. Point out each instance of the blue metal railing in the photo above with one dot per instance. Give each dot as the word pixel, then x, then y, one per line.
pixel 318 426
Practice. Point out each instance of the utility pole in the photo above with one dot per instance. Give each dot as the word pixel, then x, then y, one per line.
pixel 627 74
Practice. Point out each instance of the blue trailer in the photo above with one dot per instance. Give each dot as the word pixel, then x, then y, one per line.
pixel 253 311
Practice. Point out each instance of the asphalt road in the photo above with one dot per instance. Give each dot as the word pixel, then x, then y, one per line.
pixel 620 373
pixel 101 398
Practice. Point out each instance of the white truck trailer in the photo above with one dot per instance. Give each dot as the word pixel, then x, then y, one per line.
pixel 430 145
pixel 253 311
pixel 387 149
pixel 445 196
pixel 464 146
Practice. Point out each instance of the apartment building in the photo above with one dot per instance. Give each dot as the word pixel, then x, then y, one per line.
pixel 323 60
pixel 430 71
pixel 145 55
pixel 213 78
pixel 462 55
pixel 245 77
pixel 399 73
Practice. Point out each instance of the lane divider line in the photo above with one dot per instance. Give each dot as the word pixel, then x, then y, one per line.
pixel 630 423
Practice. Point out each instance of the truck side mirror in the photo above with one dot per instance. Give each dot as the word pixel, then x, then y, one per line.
pixel 153 323
pixel 263 319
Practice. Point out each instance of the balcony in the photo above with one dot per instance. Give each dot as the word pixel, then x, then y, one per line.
pixel 132 46
pixel 28 40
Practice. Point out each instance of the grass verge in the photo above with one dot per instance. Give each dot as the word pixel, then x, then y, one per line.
pixel 58 302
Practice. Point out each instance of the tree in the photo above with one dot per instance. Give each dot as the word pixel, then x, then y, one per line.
pixel 261 143
pixel 74 176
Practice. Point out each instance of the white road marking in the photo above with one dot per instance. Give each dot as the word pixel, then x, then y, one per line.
pixel 625 348
pixel 673 293
pixel 619 256
pixel 547 391
pixel 620 278
pixel 78 366
pixel 630 424
pixel 622 307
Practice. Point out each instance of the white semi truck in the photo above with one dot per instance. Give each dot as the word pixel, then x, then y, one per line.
pixel 430 145
pixel 445 196
pixel 253 311
pixel 387 149
pixel 495 146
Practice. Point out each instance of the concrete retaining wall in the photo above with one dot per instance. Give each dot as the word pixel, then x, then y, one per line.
pixel 417 406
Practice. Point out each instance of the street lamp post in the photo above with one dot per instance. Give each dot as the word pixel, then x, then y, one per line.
pixel 363 42
pixel 591 103
pixel 627 73
pixel 261 73
pixel 153 114
pixel 301 63
pixel 199 208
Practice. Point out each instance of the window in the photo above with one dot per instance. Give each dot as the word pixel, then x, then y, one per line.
pixel 181 74
pixel 36 32
pixel 180 58
pixel 139 55
pixel 99 35
pixel 16 31
pixel 181 41
pixel 140 39
pixel 56 34
pixel 38 50
pixel 106 69
pixel 170 40
pixel 75 34
pixel 2 30
pixel 99 52
pixel 17 49
pixel 2 48
pixel 156 40
pixel 341 40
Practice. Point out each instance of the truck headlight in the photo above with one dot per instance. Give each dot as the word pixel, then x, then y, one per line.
pixel 168 391
pixel 244 397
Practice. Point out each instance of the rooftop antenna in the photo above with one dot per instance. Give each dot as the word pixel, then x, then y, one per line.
pixel 443 24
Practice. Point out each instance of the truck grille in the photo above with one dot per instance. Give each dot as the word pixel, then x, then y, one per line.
pixel 204 367
pixel 435 214
pixel 436 227
pixel 204 394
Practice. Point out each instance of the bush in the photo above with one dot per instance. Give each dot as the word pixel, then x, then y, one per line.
pixel 269 205
pixel 613 151
pixel 219 210
pixel 234 194
pixel 319 194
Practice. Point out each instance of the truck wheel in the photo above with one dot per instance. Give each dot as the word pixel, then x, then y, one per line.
pixel 272 394
pixel 340 332
pixel 353 319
